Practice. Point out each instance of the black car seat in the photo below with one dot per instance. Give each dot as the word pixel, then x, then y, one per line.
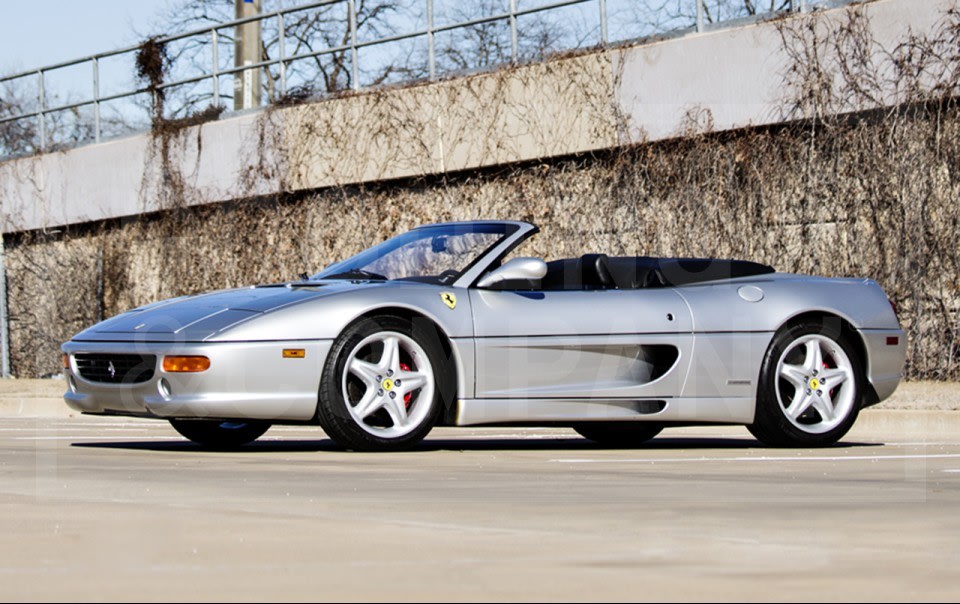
pixel 589 271
pixel 596 272
pixel 635 272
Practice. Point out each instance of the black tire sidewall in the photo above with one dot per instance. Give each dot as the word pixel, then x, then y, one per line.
pixel 211 433
pixel 771 424
pixel 619 434
pixel 332 412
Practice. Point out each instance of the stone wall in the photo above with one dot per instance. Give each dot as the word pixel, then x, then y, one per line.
pixel 873 195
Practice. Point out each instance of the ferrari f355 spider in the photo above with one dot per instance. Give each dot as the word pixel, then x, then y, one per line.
pixel 444 326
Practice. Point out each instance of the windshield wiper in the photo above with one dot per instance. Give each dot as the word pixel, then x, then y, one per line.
pixel 357 273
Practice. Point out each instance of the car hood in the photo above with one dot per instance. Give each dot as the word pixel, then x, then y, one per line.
pixel 198 318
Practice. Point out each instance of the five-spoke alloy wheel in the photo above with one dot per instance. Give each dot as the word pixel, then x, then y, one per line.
pixel 380 388
pixel 811 386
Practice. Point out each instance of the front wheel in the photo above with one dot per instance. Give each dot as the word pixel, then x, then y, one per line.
pixel 618 434
pixel 382 384
pixel 216 434
pixel 811 385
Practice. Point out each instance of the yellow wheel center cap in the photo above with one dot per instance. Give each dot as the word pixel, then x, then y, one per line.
pixel 388 384
pixel 815 384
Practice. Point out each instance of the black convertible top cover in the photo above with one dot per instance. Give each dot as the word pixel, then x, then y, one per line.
pixel 599 271
pixel 628 272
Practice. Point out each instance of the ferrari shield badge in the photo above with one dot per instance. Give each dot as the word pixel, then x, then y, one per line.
pixel 449 299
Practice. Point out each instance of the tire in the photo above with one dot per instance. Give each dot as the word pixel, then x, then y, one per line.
pixel 619 434
pixel 810 388
pixel 383 385
pixel 216 434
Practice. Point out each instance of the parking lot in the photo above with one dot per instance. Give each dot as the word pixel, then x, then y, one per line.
pixel 113 509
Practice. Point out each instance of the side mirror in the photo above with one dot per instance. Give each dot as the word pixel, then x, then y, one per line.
pixel 516 269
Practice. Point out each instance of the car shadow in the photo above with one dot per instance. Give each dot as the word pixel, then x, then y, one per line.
pixel 519 443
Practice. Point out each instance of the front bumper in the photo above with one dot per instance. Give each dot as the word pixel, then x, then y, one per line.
pixel 246 380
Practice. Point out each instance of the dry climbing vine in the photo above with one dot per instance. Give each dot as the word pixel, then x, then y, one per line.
pixel 861 180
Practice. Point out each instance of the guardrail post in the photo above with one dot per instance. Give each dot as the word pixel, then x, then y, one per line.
pixel 96 99
pixel 700 12
pixel 603 22
pixel 513 30
pixel 282 53
pixel 4 318
pixel 40 116
pixel 215 73
pixel 431 56
pixel 354 71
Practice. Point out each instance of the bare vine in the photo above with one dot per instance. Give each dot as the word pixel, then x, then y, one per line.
pixel 861 179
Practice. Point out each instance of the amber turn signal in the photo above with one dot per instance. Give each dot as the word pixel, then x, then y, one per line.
pixel 66 361
pixel 294 353
pixel 191 364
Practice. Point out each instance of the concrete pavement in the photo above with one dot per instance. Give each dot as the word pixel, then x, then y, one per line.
pixel 117 509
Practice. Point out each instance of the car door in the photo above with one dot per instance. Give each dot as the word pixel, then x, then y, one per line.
pixel 581 343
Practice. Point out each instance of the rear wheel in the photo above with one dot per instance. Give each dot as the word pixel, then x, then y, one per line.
pixel 381 386
pixel 619 434
pixel 811 385
pixel 216 434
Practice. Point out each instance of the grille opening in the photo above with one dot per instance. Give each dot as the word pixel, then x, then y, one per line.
pixel 116 368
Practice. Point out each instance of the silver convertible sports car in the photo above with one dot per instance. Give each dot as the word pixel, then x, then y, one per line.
pixel 438 327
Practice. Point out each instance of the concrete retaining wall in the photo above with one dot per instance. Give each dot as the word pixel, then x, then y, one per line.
pixel 719 80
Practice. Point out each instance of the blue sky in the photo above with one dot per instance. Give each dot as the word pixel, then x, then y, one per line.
pixel 35 33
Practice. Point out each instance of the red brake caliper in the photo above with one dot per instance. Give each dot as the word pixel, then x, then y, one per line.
pixel 832 390
pixel 409 395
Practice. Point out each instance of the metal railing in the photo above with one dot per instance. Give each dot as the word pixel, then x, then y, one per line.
pixel 705 14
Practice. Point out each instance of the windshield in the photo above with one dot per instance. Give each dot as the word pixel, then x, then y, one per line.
pixel 434 254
